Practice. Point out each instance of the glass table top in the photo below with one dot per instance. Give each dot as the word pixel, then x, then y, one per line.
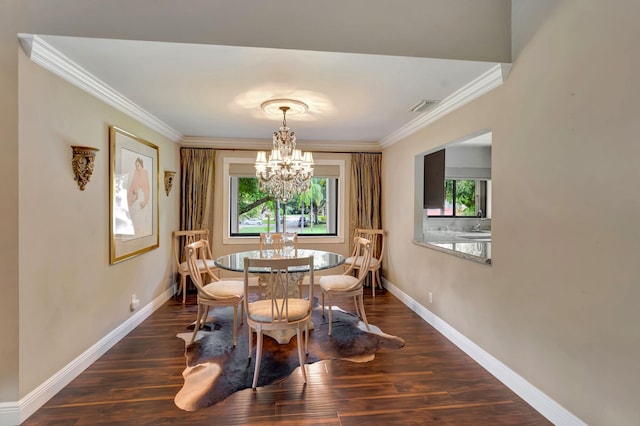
pixel 321 260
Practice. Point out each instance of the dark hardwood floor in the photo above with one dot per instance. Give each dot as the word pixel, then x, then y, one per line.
pixel 429 381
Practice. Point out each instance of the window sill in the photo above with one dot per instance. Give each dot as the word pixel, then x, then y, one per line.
pixel 479 252
pixel 302 239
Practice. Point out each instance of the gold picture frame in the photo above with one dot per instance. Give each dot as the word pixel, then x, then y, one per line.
pixel 133 195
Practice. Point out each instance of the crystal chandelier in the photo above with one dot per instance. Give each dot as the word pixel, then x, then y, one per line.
pixel 288 171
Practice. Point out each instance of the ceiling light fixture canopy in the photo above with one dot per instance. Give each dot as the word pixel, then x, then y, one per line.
pixel 288 171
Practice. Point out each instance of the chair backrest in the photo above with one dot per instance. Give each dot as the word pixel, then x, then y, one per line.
pixel 377 238
pixel 181 239
pixel 280 304
pixel 362 248
pixel 197 254
pixel 277 241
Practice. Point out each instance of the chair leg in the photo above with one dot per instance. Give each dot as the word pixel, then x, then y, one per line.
pixel 306 339
pixel 196 326
pixel 356 304
pixel 250 341
pixel 300 356
pixel 183 287
pixel 235 324
pixel 323 304
pixel 364 315
pixel 373 283
pixel 330 316
pixel 258 358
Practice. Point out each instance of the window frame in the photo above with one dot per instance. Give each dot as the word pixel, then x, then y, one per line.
pixel 251 239
pixel 332 188
pixel 484 187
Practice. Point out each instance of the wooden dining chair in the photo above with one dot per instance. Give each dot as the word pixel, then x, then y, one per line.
pixel 181 239
pixel 278 309
pixel 272 244
pixel 217 293
pixel 346 285
pixel 378 243
pixel 275 241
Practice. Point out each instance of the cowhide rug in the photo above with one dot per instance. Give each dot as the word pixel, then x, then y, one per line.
pixel 215 369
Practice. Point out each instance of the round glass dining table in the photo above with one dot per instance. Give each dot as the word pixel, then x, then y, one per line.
pixel 321 260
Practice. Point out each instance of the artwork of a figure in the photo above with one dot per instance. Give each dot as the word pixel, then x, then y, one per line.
pixel 138 198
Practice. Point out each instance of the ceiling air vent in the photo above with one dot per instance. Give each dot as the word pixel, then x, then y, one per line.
pixel 424 105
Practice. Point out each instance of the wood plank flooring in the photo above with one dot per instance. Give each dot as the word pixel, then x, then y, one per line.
pixel 428 382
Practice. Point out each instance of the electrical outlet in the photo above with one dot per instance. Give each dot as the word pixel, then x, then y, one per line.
pixel 135 302
pixel 430 297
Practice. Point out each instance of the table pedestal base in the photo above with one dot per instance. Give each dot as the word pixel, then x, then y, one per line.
pixel 283 336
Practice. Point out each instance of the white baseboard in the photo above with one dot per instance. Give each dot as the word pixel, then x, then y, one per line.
pixel 546 406
pixel 39 396
pixel 12 414
pixel 9 414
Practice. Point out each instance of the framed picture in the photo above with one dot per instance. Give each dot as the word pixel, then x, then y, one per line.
pixel 133 189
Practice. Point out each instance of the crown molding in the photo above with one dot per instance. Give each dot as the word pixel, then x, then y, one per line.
pixel 476 88
pixel 265 144
pixel 45 55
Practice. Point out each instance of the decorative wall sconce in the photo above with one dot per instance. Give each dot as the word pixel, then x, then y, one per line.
pixel 168 181
pixel 82 163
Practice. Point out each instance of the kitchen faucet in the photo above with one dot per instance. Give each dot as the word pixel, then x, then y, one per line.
pixel 476 227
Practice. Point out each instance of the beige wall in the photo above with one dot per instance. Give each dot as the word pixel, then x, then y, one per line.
pixel 70 296
pixel 559 305
pixel 10 18
pixel 467 30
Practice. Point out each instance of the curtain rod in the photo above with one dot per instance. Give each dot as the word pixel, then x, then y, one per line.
pixel 253 150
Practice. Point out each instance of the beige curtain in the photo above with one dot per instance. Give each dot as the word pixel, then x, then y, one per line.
pixel 197 171
pixel 366 192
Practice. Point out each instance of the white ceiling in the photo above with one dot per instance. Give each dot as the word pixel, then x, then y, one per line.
pixel 214 91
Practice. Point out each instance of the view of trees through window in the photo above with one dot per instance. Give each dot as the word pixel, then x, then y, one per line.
pixel 313 212
pixel 460 198
pixel 462 195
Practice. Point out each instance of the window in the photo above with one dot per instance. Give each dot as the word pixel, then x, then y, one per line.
pixel 463 197
pixel 314 212
pixel 243 222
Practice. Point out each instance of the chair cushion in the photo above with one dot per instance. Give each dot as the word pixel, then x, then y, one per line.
pixel 210 263
pixel 374 262
pixel 225 288
pixel 261 310
pixel 338 282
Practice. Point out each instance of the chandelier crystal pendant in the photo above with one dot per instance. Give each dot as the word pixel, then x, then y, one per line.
pixel 288 171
